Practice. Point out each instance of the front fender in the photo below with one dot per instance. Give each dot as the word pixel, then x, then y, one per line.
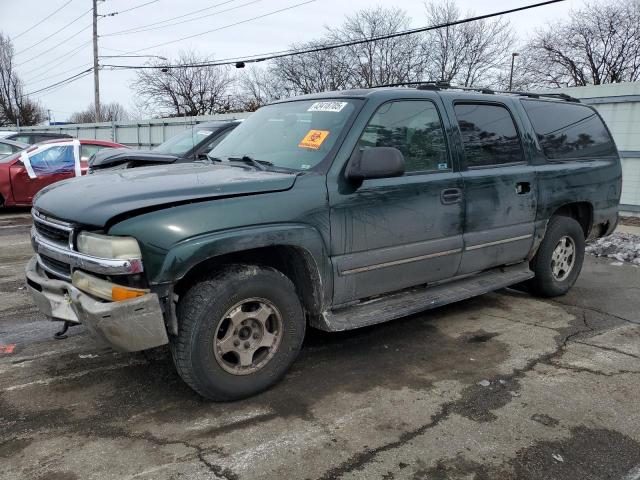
pixel 185 255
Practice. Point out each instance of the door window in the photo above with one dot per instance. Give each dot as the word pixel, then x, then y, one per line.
pixel 88 151
pixel 56 159
pixel 414 128
pixel 5 149
pixel 489 135
pixel 569 131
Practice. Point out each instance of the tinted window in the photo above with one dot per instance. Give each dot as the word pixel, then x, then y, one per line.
pixel 414 128
pixel 57 159
pixel 567 130
pixel 489 136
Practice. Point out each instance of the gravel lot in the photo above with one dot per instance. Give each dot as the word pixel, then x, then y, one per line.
pixel 504 386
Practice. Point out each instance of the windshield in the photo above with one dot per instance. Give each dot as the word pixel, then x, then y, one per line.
pixel 296 135
pixel 185 141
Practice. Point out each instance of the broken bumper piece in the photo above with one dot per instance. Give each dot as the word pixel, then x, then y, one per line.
pixel 127 326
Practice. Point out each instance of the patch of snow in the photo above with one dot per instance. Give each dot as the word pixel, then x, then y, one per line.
pixel 620 246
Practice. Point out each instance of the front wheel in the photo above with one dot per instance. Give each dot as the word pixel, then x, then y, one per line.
pixel 559 259
pixel 239 332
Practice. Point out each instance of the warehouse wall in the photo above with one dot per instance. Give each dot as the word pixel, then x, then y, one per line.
pixel 143 134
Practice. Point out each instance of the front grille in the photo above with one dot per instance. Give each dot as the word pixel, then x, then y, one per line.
pixel 55 267
pixel 55 235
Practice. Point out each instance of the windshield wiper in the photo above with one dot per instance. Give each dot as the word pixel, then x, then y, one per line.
pixel 259 164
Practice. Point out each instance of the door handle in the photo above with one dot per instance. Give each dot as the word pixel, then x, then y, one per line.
pixel 522 188
pixel 449 196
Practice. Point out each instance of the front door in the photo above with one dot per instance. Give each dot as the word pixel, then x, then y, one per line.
pixel 39 168
pixel 389 234
pixel 499 187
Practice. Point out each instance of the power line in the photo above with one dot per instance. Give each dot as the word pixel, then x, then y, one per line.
pixel 185 21
pixel 56 45
pixel 227 26
pixel 167 20
pixel 290 53
pixel 43 20
pixel 112 14
pixel 54 33
pixel 59 74
pixel 65 81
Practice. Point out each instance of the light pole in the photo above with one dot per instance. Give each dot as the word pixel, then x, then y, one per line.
pixel 513 59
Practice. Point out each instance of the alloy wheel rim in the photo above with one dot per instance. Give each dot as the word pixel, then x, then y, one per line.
pixel 563 258
pixel 248 336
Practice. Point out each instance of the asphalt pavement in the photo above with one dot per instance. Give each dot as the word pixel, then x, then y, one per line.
pixel 503 386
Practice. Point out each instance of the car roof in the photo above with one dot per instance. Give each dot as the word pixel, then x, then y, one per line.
pixel 428 90
pixel 84 141
pixel 14 143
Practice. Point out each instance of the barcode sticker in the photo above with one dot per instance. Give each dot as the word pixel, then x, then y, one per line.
pixel 327 107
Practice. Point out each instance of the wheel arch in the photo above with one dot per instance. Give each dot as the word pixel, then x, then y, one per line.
pixel 297 251
pixel 582 212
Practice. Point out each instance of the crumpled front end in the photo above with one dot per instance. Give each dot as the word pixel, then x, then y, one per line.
pixel 128 325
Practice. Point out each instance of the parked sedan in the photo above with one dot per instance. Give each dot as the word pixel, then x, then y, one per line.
pixel 187 146
pixel 25 173
pixel 7 147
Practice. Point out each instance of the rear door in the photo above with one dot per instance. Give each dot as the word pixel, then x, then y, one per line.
pixel 499 187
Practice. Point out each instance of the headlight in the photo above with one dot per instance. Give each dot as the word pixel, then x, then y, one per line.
pixel 106 290
pixel 106 246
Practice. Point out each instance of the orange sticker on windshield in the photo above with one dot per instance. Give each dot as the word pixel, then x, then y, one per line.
pixel 313 139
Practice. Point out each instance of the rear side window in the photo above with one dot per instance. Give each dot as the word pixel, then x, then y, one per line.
pixel 87 151
pixel 414 128
pixel 489 135
pixel 569 131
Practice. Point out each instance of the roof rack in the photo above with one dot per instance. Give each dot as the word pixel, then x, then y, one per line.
pixel 443 85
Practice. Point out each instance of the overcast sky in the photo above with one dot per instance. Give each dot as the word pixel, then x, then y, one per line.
pixel 39 67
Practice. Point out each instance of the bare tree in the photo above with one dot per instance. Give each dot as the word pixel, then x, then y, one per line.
pixel 186 90
pixel 380 62
pixel 312 72
pixel 109 112
pixel 257 87
pixel 467 54
pixel 599 43
pixel 15 107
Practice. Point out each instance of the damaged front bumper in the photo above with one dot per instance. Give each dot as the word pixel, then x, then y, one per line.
pixel 127 326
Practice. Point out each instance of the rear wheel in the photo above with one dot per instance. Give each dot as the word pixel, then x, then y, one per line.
pixel 239 332
pixel 559 259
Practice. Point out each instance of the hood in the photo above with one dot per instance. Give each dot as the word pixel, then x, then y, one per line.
pixel 109 157
pixel 95 199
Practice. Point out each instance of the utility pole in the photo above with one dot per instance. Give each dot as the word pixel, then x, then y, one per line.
pixel 49 116
pixel 96 76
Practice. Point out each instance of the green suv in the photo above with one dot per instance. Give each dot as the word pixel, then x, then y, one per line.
pixel 334 211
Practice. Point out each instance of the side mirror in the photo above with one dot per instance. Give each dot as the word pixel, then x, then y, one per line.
pixel 376 162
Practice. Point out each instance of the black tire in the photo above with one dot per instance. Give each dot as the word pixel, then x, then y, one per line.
pixel 545 283
pixel 200 312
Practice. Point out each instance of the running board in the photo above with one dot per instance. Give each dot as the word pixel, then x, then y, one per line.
pixel 414 300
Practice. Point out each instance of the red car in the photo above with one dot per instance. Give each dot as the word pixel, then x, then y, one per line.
pixel 25 173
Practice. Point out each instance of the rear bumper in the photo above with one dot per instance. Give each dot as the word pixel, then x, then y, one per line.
pixel 127 326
